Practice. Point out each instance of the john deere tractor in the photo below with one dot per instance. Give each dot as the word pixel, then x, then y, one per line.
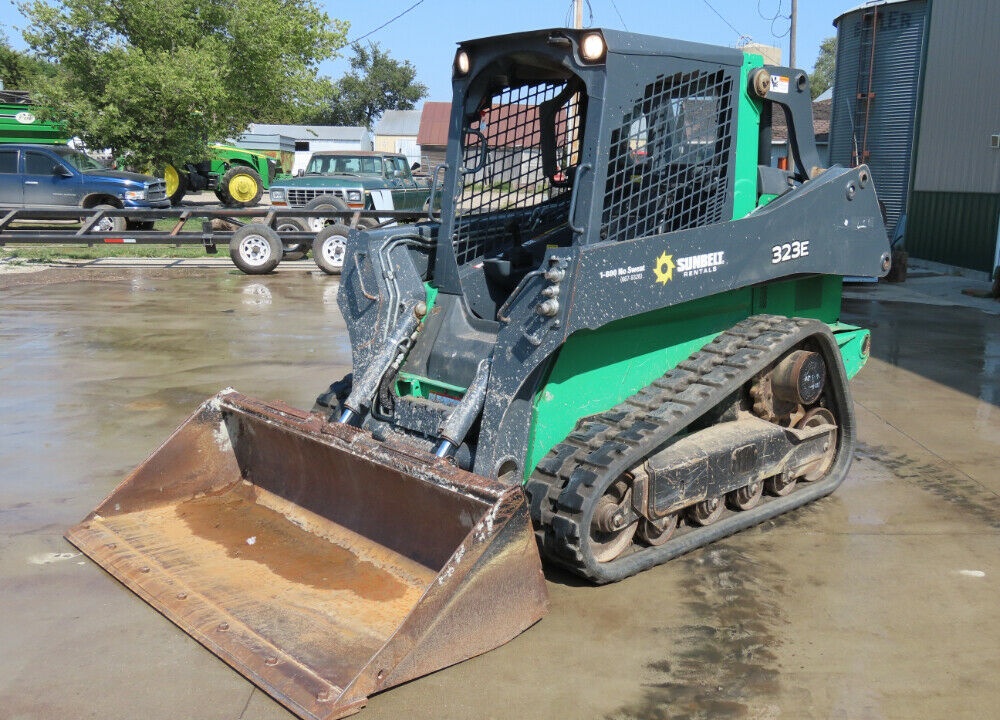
pixel 238 177
pixel 620 341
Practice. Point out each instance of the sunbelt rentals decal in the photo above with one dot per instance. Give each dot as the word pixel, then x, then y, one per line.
pixel 687 266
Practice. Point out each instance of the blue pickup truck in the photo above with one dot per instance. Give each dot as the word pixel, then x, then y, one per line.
pixel 59 177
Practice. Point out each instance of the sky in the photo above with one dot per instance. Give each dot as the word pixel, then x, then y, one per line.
pixel 427 33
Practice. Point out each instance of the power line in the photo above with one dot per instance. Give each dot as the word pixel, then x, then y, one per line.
pixel 570 12
pixel 723 19
pixel 774 19
pixel 386 23
pixel 619 15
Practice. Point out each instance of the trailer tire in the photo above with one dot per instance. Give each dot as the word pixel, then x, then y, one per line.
pixel 241 186
pixel 330 248
pixel 292 250
pixel 255 249
pixel 110 224
pixel 177 184
pixel 324 203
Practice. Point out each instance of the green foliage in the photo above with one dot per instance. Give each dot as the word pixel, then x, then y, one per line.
pixel 19 70
pixel 822 76
pixel 156 80
pixel 375 84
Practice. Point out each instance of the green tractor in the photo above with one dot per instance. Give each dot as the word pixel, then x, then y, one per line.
pixel 239 177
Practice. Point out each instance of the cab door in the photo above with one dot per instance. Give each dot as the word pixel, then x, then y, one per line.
pixel 396 184
pixel 11 187
pixel 48 182
pixel 411 196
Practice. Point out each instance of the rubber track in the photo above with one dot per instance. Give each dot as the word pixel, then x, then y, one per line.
pixel 569 480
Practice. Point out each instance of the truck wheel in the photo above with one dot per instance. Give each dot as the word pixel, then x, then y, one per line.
pixel 330 248
pixel 109 224
pixel 292 250
pixel 241 186
pixel 255 249
pixel 324 203
pixel 177 184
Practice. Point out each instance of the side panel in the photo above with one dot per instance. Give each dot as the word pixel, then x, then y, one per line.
pixel 597 369
pixel 954 228
pixel 853 343
pixel 19 124
pixel 747 139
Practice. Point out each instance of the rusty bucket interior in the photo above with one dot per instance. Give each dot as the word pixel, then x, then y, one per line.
pixel 321 564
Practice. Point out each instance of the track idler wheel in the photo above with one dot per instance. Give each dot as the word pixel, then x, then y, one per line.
pixel 611 531
pixel 746 497
pixel 818 417
pixel 657 533
pixel 707 511
pixel 780 485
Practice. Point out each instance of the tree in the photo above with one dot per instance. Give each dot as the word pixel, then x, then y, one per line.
pixel 375 84
pixel 17 69
pixel 156 80
pixel 826 64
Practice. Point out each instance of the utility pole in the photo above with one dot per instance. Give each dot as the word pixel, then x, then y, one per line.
pixel 578 13
pixel 791 34
pixel 791 64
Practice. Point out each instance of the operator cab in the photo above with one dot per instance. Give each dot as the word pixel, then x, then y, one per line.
pixel 528 172
pixel 523 119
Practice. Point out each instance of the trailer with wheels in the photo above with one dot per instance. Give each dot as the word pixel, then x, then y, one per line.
pixel 258 238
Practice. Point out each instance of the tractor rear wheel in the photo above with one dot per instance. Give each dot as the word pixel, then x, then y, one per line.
pixel 241 186
pixel 177 184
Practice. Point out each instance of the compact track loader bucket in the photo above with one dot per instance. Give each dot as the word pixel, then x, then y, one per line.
pixel 321 564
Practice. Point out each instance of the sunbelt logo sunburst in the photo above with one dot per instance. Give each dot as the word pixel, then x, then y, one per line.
pixel 664 268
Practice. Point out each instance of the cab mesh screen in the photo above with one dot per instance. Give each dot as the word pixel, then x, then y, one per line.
pixel 506 196
pixel 669 160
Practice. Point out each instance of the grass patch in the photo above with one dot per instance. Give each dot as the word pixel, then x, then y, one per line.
pixel 31 252
pixel 48 253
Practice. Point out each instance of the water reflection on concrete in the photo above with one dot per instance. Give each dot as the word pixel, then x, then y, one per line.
pixel 953 346
pixel 878 602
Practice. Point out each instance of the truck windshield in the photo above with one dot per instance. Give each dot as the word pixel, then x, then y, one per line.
pixel 351 164
pixel 77 159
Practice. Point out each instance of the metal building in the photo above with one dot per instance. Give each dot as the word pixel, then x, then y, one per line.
pixel 307 139
pixel 914 99
pixel 875 95
pixel 396 132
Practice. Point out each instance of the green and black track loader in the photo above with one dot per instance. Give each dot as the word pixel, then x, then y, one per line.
pixel 619 341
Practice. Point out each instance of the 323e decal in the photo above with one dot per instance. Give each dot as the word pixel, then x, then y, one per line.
pixel 789 251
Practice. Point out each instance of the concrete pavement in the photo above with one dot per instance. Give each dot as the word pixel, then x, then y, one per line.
pixel 878 602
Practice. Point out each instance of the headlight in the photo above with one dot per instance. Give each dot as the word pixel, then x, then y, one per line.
pixel 592 47
pixel 277 196
pixel 135 195
pixel 462 62
pixel 353 196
